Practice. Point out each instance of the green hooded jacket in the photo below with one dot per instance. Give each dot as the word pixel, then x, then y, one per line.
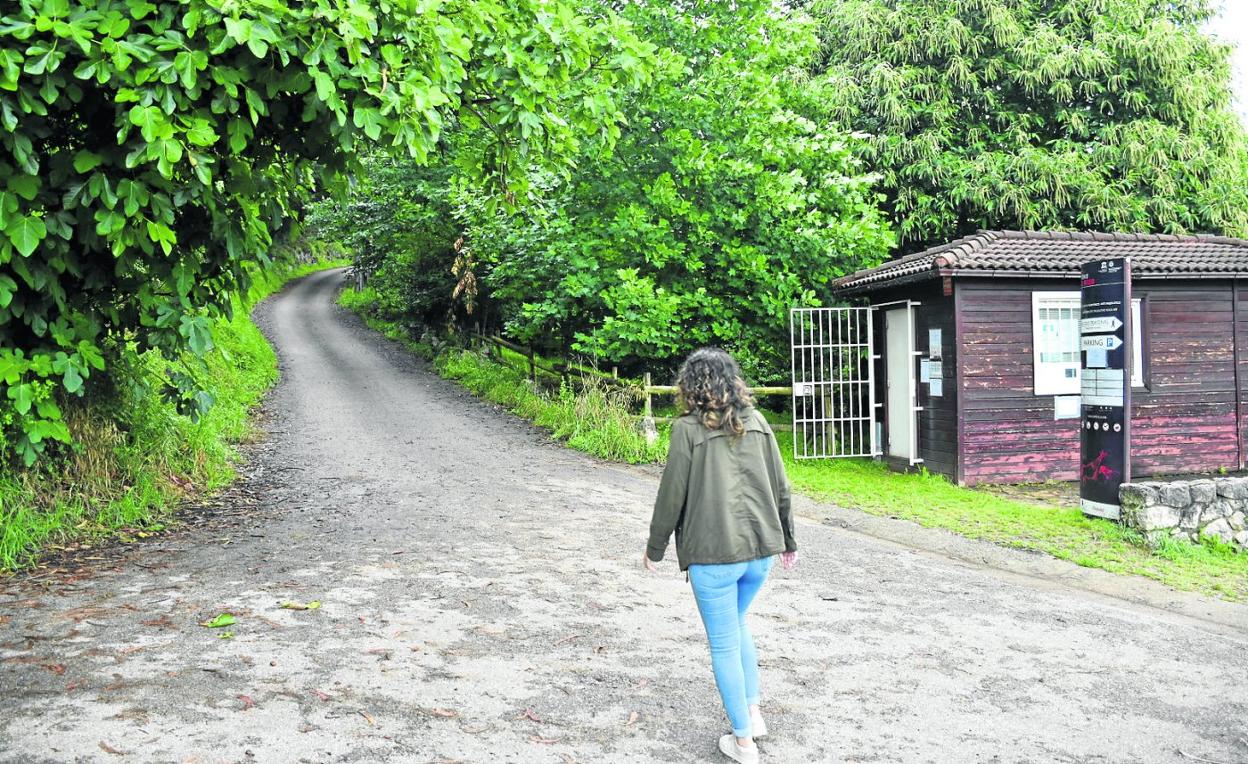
pixel 727 498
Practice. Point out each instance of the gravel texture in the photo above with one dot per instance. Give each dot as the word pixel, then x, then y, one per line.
pixel 482 601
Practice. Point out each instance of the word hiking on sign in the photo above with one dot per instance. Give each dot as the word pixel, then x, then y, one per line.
pixel 1105 385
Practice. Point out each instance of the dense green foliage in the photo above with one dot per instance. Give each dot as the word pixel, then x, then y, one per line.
pixel 721 205
pixel 1077 114
pixel 151 151
pixel 398 225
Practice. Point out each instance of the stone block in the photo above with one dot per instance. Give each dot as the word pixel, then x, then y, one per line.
pixel 1219 529
pixel 1241 539
pixel 1215 511
pixel 1238 521
pixel 1156 517
pixel 1190 521
pixel 649 429
pixel 1202 491
pixel 1232 488
pixel 1174 494
pixel 1137 495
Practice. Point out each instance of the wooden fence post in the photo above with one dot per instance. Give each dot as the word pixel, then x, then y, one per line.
pixel 532 365
pixel 648 426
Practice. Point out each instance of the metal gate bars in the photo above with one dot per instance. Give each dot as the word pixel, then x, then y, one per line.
pixel 833 382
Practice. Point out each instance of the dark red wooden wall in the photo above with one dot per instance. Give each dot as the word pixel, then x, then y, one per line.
pixel 938 421
pixel 1184 420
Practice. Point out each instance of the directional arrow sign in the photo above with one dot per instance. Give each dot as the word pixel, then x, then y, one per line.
pixel 1101 342
pixel 1100 324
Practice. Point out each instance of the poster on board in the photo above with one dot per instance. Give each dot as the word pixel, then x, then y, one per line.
pixel 1105 385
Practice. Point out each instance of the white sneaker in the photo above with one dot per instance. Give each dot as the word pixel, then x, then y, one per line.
pixel 728 746
pixel 758 727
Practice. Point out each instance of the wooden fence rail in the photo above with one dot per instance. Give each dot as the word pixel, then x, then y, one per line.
pixel 646 389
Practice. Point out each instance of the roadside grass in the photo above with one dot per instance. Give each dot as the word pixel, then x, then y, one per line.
pixel 589 417
pixel 135 458
pixel 1066 533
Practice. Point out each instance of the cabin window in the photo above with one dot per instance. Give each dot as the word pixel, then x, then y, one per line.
pixel 1055 338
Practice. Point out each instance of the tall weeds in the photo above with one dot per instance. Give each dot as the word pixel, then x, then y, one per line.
pixel 584 412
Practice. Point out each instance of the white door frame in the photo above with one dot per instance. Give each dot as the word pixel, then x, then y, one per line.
pixel 906 309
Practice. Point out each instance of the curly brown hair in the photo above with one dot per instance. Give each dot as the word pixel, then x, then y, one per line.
pixel 711 386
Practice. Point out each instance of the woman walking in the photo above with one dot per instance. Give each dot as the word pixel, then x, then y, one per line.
pixel 725 494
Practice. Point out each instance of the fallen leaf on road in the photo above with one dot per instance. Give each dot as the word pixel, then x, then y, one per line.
pixel 567 758
pixel 223 619
pixel 829 598
pixel 248 703
pixel 381 652
pixel 226 635
pixel 543 740
pixel 567 639
pixel 633 716
pixel 163 622
pixel 531 715
pixel 367 717
pixel 640 684
pixel 55 668
pixel 106 748
pixel 323 697
pixel 313 605
pixel 445 713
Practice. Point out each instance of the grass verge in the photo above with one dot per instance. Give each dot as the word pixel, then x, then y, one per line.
pixel 932 501
pixel 134 458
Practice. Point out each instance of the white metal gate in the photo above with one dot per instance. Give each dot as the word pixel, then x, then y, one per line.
pixel 834 407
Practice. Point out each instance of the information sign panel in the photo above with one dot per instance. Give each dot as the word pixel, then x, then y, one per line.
pixel 1105 387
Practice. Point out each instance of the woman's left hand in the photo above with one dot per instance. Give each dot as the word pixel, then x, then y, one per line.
pixel 645 560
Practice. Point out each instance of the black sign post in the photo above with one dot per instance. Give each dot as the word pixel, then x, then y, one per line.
pixel 1105 387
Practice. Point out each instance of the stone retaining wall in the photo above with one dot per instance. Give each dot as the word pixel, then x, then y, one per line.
pixel 1190 509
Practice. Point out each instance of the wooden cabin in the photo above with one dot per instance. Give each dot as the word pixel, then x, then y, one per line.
pixel 978 367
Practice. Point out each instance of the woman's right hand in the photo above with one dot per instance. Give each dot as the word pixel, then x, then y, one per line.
pixel 788 560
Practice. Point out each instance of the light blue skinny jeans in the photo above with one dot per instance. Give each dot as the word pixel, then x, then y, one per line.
pixel 724 594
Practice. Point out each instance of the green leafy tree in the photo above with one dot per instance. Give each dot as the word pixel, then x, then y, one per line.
pixel 721 206
pixel 1101 114
pixel 150 151
pixel 401 233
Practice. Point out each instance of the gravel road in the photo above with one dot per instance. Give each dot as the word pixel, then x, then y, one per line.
pixel 482 601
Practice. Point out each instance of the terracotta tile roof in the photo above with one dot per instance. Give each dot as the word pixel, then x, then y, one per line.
pixel 1058 254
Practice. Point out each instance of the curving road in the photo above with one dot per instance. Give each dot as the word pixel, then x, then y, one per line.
pixel 481 601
